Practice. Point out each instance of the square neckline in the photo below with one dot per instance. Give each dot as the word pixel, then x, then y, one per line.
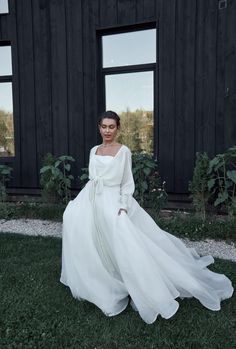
pixel 108 155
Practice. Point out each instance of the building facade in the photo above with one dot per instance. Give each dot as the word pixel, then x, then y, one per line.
pixel 58 80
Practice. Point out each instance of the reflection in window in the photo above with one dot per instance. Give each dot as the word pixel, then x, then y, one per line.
pixel 138 47
pixel 131 96
pixel 5 60
pixel 6 105
pixel 6 120
pixel 4 6
pixel 129 63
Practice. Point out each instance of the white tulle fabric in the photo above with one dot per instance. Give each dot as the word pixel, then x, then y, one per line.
pixel 108 257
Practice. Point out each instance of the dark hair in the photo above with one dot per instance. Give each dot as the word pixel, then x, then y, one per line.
pixel 109 114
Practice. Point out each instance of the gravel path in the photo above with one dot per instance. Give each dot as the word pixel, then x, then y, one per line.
pixel 35 227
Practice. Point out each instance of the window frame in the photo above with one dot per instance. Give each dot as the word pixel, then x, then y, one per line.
pixel 136 68
pixel 8 78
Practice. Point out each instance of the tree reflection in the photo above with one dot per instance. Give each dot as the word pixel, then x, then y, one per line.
pixel 137 130
pixel 6 134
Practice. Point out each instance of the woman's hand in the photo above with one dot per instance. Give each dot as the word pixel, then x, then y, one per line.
pixel 120 210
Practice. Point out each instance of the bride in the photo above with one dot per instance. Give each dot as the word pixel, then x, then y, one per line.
pixel 113 252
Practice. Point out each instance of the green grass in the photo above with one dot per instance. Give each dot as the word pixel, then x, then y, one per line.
pixel 33 210
pixel 195 229
pixel 36 311
pixel 190 226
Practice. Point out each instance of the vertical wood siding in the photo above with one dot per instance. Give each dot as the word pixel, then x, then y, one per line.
pixel 55 85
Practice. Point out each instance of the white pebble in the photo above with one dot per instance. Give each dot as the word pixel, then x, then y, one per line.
pixel 37 227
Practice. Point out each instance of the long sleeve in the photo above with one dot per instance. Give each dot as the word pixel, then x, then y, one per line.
pixel 127 184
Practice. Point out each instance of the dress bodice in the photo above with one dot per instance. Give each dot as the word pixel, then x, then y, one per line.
pixel 107 170
pixel 100 161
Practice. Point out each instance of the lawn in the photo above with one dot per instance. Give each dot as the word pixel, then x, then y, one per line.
pixel 187 226
pixel 36 311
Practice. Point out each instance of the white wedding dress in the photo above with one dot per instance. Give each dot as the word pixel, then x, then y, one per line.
pixel 108 257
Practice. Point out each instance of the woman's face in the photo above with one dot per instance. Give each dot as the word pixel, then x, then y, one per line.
pixel 108 130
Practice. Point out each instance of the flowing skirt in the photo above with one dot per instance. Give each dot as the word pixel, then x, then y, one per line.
pixel 108 257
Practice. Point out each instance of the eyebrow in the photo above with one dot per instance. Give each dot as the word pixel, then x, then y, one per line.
pixel 108 125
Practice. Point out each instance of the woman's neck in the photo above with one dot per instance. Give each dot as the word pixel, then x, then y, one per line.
pixel 107 144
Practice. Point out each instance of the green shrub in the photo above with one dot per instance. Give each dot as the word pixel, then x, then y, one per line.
pixel 83 178
pixel 149 190
pixel 198 187
pixel 5 174
pixel 49 184
pixel 55 178
pixel 222 182
pixel 214 182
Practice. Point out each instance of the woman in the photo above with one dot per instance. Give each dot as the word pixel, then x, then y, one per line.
pixel 113 250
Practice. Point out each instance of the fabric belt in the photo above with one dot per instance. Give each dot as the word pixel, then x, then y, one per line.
pixel 96 187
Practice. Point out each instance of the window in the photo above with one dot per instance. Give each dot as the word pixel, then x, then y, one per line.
pixel 138 47
pixel 6 104
pixel 128 74
pixel 4 6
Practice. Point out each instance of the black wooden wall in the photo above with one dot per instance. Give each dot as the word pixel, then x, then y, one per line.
pixel 55 85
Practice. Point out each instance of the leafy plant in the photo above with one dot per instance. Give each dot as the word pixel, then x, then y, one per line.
pixel 222 182
pixel 149 190
pixel 199 184
pixel 5 175
pixel 83 178
pixel 55 178
pixel 48 181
